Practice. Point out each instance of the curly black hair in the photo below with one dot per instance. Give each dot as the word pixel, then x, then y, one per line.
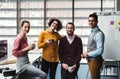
pixel 59 27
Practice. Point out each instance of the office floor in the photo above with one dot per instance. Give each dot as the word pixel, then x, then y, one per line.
pixel 83 73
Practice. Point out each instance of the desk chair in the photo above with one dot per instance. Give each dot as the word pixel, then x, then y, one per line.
pixel 37 62
pixel 111 67
pixel 20 75
pixel 11 74
pixel 8 73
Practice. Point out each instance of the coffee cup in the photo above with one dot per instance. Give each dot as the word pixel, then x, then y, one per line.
pixel 70 69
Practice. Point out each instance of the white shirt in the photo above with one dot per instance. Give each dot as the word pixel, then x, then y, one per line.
pixel 70 38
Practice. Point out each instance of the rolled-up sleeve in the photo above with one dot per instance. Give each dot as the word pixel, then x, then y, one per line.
pixel 99 38
pixel 16 48
pixel 41 43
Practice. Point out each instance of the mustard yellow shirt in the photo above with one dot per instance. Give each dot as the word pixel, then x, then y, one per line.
pixel 50 51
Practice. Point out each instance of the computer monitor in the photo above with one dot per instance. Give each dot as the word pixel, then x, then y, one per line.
pixel 3 51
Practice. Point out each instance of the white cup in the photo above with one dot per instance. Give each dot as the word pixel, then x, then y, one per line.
pixel 70 69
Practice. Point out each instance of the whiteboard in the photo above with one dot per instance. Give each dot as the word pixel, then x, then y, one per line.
pixel 110 25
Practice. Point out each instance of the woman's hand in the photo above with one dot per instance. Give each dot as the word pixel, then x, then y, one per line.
pixel 32 46
pixel 50 41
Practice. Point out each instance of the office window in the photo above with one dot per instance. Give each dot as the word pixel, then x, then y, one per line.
pixel 38 12
pixel 8 18
pixel 32 10
pixel 82 9
pixel 61 9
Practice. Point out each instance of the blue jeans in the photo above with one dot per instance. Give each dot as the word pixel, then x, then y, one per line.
pixel 35 72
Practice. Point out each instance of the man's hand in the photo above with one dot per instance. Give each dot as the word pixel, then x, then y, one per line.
pixel 84 54
pixel 65 66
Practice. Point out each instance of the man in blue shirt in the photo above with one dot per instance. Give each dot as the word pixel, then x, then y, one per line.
pixel 95 47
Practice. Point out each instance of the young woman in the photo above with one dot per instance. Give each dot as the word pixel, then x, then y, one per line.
pixel 48 40
pixel 20 50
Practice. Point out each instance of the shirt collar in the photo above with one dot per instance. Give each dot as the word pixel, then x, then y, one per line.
pixel 94 29
pixel 70 37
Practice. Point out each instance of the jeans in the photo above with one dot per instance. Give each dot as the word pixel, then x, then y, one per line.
pixel 35 72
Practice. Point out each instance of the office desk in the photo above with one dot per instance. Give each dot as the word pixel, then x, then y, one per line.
pixel 11 62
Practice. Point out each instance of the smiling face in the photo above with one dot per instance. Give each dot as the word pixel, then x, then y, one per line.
pixel 54 25
pixel 70 29
pixel 92 22
pixel 25 28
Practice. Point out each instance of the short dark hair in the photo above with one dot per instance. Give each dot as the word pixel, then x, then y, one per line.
pixel 71 24
pixel 94 16
pixel 24 21
pixel 59 27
